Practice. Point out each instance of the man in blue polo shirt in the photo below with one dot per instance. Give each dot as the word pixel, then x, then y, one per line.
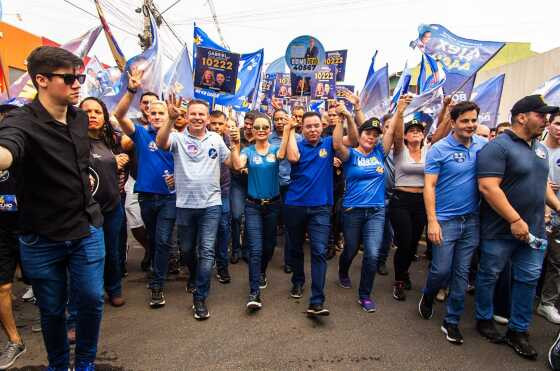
pixel 451 198
pixel 308 203
pixel 513 180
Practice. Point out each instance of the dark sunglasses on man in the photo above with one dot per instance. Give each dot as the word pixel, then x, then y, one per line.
pixel 68 78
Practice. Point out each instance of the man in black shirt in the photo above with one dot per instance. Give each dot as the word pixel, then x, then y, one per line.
pixel 47 141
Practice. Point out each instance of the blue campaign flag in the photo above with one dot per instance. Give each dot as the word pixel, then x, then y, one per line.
pixel 488 95
pixel 462 57
pixel 432 95
pixel 427 64
pixel 401 86
pixel 371 67
pixel 550 91
pixel 277 66
pixel 374 98
pixel 248 77
pixel 150 62
pixel 317 106
pixel 179 77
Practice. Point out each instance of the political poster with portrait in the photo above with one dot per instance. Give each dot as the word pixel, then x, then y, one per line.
pixel 340 97
pixel 301 85
pixel 323 84
pixel 282 87
pixel 304 54
pixel 337 58
pixel 216 70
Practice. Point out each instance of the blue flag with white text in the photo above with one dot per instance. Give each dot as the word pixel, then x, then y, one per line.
pixel 374 97
pixel 179 77
pixel 488 95
pixel 550 91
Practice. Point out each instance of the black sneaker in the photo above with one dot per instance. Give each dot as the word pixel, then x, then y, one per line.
pixel 426 306
pixel 452 333
pixel 157 300
pixel 487 329
pixel 254 302
pixel 317 310
pixel 519 341
pixel 382 269
pixel 296 292
pixel 398 291
pixel 554 354
pixel 223 275
pixel 263 282
pixel 200 311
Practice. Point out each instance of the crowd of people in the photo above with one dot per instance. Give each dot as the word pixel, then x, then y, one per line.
pixel 188 183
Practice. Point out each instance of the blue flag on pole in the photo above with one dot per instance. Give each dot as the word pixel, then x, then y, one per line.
pixel 277 66
pixel 179 77
pixel 462 57
pixel 488 95
pixel 248 77
pixel 431 98
pixel 374 97
pixel 550 91
pixel 401 86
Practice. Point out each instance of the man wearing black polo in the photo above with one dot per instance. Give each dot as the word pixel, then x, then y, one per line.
pixel 513 180
pixel 61 223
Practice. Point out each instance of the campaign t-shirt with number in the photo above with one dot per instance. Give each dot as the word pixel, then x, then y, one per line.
pixel 8 200
pixel 153 162
pixel 365 178
pixel 263 172
pixel 457 185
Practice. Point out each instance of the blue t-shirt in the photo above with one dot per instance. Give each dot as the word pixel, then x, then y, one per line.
pixel 263 172
pixel 457 186
pixel 312 175
pixel 365 178
pixel 152 162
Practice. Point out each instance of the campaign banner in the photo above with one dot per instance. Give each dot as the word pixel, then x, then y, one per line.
pixel 297 101
pixel 282 86
pixel 323 84
pixel 337 58
pixel 304 54
pixel 301 85
pixel 216 70
pixel 340 97
pixel 267 85
pixel 462 57
pixel 488 95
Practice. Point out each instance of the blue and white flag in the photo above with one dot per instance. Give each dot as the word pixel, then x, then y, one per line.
pixel 550 91
pixel 317 106
pixel 179 77
pixel 488 95
pixel 431 98
pixel 248 77
pixel 277 66
pixel 374 97
pixel 402 86
pixel 462 57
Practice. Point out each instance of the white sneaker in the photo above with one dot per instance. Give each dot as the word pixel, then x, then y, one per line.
pixel 550 313
pixel 500 320
pixel 29 296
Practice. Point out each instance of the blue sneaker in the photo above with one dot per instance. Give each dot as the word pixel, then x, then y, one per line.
pixel 85 366
pixel 344 282
pixel 367 305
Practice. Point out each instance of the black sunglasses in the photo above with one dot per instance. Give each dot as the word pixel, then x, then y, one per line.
pixel 69 78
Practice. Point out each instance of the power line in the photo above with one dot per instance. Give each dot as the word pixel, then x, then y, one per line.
pixel 97 17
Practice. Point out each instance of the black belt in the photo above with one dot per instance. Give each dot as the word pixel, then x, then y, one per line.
pixel 263 201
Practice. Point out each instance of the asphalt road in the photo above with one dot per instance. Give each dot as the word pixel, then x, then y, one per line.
pixel 281 336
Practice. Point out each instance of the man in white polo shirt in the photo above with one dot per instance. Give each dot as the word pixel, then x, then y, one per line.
pixel 197 154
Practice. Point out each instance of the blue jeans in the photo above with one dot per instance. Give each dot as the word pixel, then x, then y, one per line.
pixel 526 266
pixel 283 191
pixel 451 262
pixel 387 236
pixel 224 234
pixel 47 264
pixel 237 195
pixel 197 229
pixel 261 237
pixel 158 213
pixel 316 220
pixel 362 224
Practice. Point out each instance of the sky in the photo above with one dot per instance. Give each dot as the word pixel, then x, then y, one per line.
pixel 361 26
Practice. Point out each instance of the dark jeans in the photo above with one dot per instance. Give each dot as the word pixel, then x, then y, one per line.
pixel 526 266
pixel 47 263
pixel 112 232
pixel 224 235
pixel 408 218
pixel 261 237
pixel 316 220
pixel 365 224
pixel 197 229
pixel 387 236
pixel 158 213
pixel 237 195
pixel 283 190
pixel 451 261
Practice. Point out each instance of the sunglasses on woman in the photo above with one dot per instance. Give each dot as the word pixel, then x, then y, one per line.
pixel 261 127
pixel 68 78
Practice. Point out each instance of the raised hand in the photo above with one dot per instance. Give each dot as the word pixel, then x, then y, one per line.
pixel 341 110
pixel 135 78
pixel 351 97
pixel 173 106
pixel 403 103
pixel 234 134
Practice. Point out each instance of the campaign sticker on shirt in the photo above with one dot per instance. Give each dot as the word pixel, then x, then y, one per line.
pixel 271 157
pixel 192 149
pixel 540 153
pixel 257 160
pixel 93 181
pixel 8 203
pixel 152 146
pixel 459 157
pixel 4 175
pixel 323 153
pixel 212 153
pixel 379 169
pixel 557 164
